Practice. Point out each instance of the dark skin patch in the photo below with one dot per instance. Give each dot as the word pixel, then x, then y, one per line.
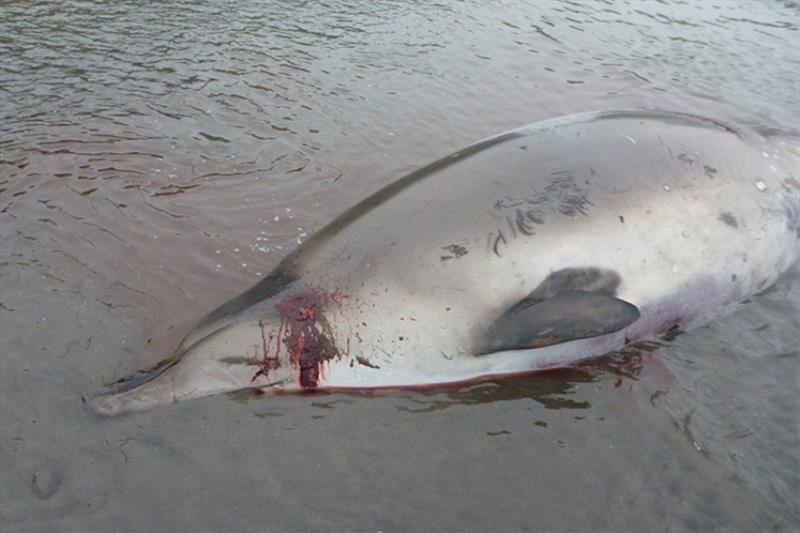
pixel 728 219
pixel 495 241
pixel 363 361
pixel 457 251
pixel 711 172
pixel 672 333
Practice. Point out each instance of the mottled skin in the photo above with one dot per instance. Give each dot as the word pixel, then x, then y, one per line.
pixel 688 216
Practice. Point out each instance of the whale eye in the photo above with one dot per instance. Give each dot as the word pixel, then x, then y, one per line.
pixel 728 219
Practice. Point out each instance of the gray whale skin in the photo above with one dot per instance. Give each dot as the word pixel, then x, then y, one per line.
pixel 555 242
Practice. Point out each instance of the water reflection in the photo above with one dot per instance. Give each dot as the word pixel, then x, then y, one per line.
pixel 552 389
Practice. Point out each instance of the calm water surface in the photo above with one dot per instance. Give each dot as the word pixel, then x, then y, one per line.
pixel 158 158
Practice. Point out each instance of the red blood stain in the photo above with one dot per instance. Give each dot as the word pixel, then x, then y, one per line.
pixel 305 332
pixel 268 362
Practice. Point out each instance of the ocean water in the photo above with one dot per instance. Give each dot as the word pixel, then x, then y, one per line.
pixel 159 158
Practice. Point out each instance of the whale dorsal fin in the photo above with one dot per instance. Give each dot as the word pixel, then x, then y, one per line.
pixel 570 304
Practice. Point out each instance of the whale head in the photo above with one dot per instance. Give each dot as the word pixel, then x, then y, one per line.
pixel 227 360
pixel 283 343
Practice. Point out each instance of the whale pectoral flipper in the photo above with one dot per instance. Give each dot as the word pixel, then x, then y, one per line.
pixel 566 316
pixel 588 279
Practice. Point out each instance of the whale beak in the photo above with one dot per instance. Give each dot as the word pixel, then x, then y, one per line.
pixel 159 391
pixel 179 379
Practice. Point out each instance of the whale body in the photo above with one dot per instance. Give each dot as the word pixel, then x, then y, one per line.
pixel 533 249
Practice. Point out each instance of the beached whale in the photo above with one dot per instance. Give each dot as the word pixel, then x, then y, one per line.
pixel 555 242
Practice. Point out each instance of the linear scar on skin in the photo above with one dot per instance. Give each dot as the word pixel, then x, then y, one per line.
pixel 563 195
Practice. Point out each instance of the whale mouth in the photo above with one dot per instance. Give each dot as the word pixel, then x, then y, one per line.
pixel 165 391
pixel 141 397
pixel 109 402
pixel 141 377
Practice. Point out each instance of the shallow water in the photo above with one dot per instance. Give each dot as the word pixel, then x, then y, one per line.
pixel 158 159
